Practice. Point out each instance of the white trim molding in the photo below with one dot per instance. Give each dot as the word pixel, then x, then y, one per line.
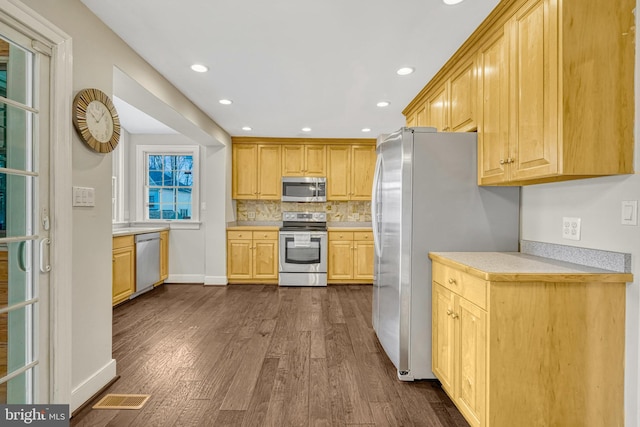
pixel 216 281
pixel 88 387
pixel 185 278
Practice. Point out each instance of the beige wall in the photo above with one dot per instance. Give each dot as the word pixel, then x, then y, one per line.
pixel 96 51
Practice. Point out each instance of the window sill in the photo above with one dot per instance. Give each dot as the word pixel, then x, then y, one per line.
pixel 173 225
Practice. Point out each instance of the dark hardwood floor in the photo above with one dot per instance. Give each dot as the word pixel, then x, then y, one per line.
pixel 253 355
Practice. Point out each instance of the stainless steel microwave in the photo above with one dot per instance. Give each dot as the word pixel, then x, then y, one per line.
pixel 304 189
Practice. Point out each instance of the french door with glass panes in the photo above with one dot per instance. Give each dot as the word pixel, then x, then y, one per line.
pixel 24 219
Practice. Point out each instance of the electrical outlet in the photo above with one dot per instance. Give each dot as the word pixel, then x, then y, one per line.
pixel 356 216
pixel 251 215
pixel 571 228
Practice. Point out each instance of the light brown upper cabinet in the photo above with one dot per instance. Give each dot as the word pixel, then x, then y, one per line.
pixel 350 171
pixel 304 160
pixel 437 110
pixel 256 171
pixel 554 84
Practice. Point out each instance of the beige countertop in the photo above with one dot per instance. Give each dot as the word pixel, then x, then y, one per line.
pixel 254 227
pixel 348 228
pixel 515 266
pixel 128 231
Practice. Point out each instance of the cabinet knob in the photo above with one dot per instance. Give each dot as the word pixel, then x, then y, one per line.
pixel 452 281
pixel 454 315
pixel 502 162
pixel 449 312
pixel 265 236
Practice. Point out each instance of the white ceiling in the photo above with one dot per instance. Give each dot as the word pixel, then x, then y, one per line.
pixel 287 64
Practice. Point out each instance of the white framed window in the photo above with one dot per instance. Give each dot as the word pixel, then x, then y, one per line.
pixel 168 183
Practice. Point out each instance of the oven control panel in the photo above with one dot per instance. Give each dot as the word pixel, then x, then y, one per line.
pixel 304 216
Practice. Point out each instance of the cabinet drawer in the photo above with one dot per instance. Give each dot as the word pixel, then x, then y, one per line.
pixel 341 235
pixel 363 235
pixel 239 235
pixel 469 287
pixel 265 235
pixel 122 242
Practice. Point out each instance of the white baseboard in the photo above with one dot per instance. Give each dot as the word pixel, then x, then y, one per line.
pixel 215 280
pixel 185 278
pixel 92 385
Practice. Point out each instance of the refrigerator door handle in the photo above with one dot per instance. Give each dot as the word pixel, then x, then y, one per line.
pixel 374 206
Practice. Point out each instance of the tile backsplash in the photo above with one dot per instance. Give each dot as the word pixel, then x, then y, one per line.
pixel 271 210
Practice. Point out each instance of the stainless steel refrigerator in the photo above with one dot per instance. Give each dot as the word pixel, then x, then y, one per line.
pixel 426 198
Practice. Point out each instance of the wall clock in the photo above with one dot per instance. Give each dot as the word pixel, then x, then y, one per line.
pixel 96 120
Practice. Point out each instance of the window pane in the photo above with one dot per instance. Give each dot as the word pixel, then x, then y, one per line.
pixel 184 211
pixel 155 163
pixel 168 178
pixel 14 191
pixel 170 182
pixel 168 212
pixel 168 195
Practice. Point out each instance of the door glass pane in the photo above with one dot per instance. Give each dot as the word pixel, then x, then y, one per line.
pixel 16 192
pixel 15 135
pixel 18 64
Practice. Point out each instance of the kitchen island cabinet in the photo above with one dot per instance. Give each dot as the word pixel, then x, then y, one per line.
pixel 523 340
pixel 252 255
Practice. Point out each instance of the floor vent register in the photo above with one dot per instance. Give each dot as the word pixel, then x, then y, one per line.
pixel 122 401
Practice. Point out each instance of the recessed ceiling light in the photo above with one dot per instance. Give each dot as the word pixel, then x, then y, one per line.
pixel 383 104
pixel 247 128
pixel 225 101
pixel 199 68
pixel 366 130
pixel 306 129
pixel 450 2
pixel 408 70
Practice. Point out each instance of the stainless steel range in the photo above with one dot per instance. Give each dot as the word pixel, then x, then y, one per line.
pixel 303 249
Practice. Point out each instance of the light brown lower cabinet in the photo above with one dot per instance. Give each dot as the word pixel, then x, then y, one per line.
pixel 529 348
pixel 123 268
pixel 164 257
pixel 350 257
pixel 252 256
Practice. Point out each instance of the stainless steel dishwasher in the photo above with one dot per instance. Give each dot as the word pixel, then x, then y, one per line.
pixel 147 262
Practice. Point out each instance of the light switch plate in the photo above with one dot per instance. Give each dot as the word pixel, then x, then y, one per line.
pixel 629 214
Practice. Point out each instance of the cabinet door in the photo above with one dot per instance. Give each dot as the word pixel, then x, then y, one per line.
pixel 493 112
pixel 340 260
pixel 338 168
pixel 534 139
pixel 363 260
pixel 470 386
pixel 363 164
pixel 123 274
pixel 269 172
pixel 292 160
pixel 265 259
pixel 164 255
pixel 412 120
pixel 245 161
pixel 315 160
pixel 463 95
pixel 239 259
pixel 437 110
pixel 442 357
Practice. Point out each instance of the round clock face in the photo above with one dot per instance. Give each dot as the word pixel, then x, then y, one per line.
pixel 99 121
pixel 96 120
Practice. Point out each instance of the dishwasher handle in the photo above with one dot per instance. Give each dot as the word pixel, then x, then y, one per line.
pixel 145 237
